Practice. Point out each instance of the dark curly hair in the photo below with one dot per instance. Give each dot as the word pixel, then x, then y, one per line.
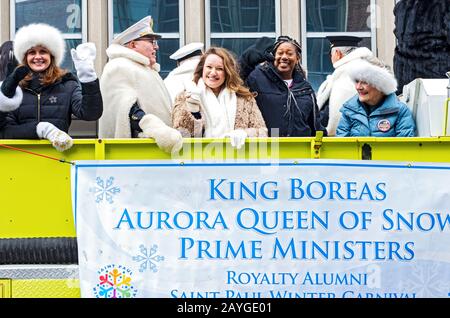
pixel 287 39
pixel 283 39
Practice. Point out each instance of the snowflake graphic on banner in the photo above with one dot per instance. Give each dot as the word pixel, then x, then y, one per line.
pixel 115 282
pixel 425 279
pixel 148 258
pixel 104 190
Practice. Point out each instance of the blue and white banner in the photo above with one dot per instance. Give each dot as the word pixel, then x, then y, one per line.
pixel 303 229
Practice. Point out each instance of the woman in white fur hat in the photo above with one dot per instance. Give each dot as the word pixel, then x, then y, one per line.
pixel 375 110
pixel 40 95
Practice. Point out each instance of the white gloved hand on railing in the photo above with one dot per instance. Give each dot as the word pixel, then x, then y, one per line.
pixel 167 138
pixel 83 59
pixel 237 138
pixel 59 139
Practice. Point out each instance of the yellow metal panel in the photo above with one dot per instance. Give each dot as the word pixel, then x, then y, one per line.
pixel 5 288
pixel 37 190
pixel 37 195
pixel 41 288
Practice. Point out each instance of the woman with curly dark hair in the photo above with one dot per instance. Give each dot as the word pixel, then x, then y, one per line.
pixel 284 96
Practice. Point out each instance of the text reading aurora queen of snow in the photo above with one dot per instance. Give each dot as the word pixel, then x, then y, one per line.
pixel 277 233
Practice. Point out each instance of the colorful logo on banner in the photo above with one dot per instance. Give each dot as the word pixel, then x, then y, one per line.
pixel 114 282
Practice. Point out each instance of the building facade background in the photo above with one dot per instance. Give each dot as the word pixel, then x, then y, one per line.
pixel 234 24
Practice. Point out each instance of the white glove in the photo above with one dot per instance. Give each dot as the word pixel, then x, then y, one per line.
pixel 237 138
pixel 193 102
pixel 59 139
pixel 83 59
pixel 167 138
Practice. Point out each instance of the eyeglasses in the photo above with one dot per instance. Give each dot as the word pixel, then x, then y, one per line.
pixel 152 41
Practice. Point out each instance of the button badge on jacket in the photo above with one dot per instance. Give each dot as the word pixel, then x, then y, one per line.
pixel 384 125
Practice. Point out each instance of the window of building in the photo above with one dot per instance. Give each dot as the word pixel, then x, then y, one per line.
pixel 321 18
pixel 69 16
pixel 236 24
pixel 168 17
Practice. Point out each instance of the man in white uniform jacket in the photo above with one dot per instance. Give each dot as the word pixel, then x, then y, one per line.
pixel 136 101
pixel 338 87
pixel 187 59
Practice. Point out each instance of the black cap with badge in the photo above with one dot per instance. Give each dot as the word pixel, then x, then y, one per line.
pixel 343 40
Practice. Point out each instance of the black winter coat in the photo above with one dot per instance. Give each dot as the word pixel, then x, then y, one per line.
pixel 3 119
pixel 293 110
pixel 55 104
pixel 422 29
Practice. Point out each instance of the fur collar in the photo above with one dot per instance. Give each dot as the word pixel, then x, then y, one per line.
pixel 115 51
pixel 359 53
pixel 341 67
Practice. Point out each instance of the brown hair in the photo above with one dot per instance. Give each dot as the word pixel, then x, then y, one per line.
pixel 51 74
pixel 232 79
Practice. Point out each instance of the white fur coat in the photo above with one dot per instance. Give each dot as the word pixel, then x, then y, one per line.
pixel 338 87
pixel 127 78
pixel 181 77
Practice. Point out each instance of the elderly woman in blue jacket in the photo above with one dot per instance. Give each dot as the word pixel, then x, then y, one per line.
pixel 286 100
pixel 375 110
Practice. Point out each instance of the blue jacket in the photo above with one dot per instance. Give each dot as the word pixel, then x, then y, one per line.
pixel 291 109
pixel 391 119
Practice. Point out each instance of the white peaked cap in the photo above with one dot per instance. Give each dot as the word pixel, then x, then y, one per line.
pixel 140 29
pixel 186 50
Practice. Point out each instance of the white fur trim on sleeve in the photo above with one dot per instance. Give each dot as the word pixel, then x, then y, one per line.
pixel 378 77
pixel 10 104
pixel 167 138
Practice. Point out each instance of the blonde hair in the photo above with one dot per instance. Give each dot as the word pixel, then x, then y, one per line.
pixel 232 79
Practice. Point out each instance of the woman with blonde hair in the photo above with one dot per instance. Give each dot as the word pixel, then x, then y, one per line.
pixel 44 96
pixel 218 105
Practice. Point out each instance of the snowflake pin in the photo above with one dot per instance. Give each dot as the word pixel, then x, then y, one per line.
pixel 53 100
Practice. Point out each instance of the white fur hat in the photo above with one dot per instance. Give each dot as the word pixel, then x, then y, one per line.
pixel 39 34
pixel 379 77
